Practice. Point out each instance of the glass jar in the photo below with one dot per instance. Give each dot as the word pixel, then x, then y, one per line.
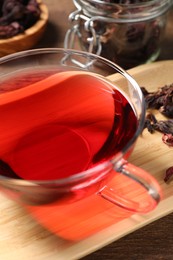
pixel 127 32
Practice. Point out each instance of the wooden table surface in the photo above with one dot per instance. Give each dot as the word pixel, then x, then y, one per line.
pixel 155 241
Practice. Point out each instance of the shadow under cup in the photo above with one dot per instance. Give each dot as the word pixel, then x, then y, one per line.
pixel 69 126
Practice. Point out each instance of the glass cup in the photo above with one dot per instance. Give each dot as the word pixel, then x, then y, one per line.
pixel 60 139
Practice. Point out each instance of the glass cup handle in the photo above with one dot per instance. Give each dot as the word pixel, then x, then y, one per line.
pixel 145 180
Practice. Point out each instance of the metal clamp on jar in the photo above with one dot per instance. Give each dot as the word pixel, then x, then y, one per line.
pixel 126 33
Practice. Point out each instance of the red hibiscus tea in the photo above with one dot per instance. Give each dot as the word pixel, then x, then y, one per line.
pixel 55 124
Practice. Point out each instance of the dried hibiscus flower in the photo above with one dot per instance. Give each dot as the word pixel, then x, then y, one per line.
pixel 163 126
pixel 162 99
pixel 17 16
pixel 168 139
pixel 168 174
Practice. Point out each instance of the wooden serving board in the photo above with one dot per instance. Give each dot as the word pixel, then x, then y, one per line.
pixel 21 237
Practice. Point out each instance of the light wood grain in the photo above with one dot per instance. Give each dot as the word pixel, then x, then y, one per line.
pixel 22 238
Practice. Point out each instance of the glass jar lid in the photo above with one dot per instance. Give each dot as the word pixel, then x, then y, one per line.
pixel 124 11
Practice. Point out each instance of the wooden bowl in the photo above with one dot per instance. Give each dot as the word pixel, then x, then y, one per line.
pixel 28 38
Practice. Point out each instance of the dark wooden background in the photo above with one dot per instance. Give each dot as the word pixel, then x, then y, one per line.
pixel 155 241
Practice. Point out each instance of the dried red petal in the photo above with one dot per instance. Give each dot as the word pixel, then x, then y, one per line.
pixel 17 16
pixel 169 174
pixel 168 139
pixel 161 99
